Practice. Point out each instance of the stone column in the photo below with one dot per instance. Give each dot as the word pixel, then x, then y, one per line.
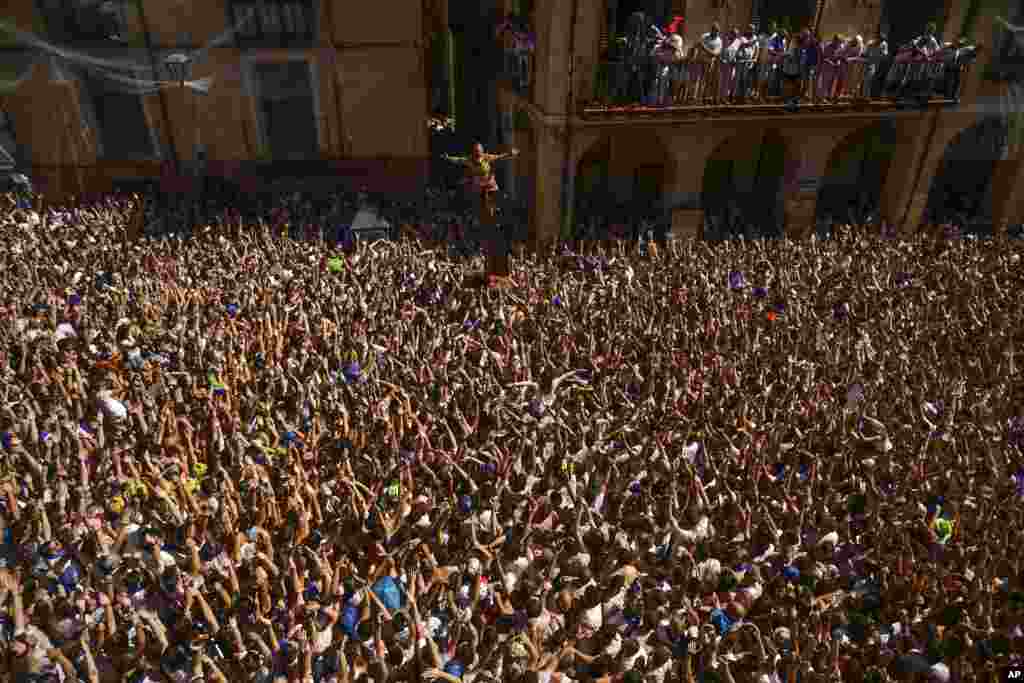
pixel 546 217
pixel 799 211
pixel 806 163
pixel 551 82
pixel 903 201
pixel 688 224
pixel 1007 195
pixel 955 12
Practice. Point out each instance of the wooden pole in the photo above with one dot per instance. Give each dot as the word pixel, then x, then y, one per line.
pixel 497 254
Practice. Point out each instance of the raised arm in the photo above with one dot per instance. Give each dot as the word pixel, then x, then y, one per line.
pixel 499 157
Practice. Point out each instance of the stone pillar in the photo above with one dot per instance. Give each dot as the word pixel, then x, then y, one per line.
pixel 551 72
pixel 569 196
pixel 799 209
pixel 688 157
pixel 546 217
pixel 903 197
pixel 1007 195
pixel 688 224
pixel 955 12
pixel 806 163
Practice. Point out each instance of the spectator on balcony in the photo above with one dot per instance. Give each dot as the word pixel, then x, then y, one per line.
pixel 638 57
pixel 851 67
pixel 955 57
pixel 617 76
pixel 707 52
pixel 910 64
pixel 927 42
pixel 810 58
pixel 746 63
pixel 831 57
pixel 771 78
pixel 875 54
pixel 792 69
pixel 669 56
pixel 680 49
pixel 764 39
pixel 727 66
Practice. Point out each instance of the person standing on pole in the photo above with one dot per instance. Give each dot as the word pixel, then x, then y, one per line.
pixel 483 188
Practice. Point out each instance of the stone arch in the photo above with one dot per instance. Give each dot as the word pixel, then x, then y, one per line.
pixel 744 181
pixel 855 173
pixel 962 185
pixel 620 173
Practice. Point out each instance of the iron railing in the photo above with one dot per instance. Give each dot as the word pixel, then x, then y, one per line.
pixel 647 82
pixel 273 23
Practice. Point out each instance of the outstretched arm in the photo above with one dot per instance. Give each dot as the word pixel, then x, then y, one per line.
pixel 498 157
pixel 455 160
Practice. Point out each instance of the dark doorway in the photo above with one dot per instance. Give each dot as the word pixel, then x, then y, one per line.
pixel 286 105
pixel 592 204
pixel 961 189
pixel 742 187
pixel 855 173
pixel 647 183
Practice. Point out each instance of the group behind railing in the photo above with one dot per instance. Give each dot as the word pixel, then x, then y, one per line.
pixel 700 79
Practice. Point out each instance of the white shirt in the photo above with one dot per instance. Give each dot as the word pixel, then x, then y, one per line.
pixel 712 44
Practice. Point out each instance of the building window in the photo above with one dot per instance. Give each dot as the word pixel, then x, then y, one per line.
pixel 120 121
pixel 274 23
pixel 86 20
pixel 286 108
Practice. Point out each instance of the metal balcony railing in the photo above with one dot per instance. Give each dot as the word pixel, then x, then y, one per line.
pixel 645 83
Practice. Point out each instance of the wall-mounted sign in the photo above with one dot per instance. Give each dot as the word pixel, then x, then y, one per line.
pixel 808 185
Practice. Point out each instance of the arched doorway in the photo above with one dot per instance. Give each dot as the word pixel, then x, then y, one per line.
pixel 962 186
pixel 856 170
pixel 742 189
pixel 620 182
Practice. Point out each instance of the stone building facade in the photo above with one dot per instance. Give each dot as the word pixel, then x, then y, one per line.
pixel 675 149
pixel 308 80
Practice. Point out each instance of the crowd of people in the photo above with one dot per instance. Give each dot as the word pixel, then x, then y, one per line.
pixel 240 456
pixel 659 66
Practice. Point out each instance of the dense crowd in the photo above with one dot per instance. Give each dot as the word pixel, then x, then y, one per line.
pixel 263 459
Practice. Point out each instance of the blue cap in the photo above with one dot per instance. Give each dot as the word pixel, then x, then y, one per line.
pixel 791 573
